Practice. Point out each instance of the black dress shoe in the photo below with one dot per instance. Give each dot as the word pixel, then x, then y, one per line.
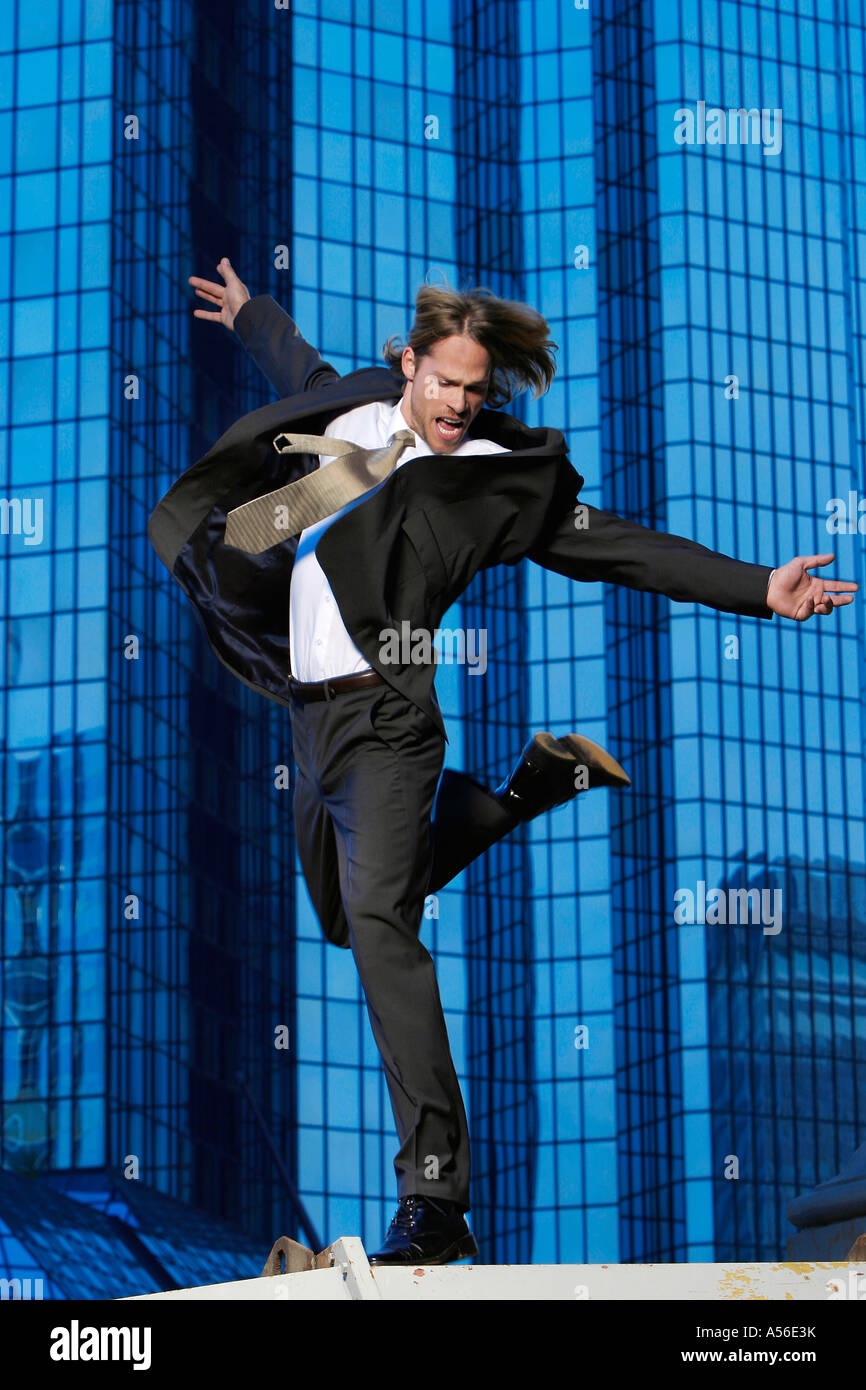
pixel 426 1232
pixel 468 818
pixel 545 774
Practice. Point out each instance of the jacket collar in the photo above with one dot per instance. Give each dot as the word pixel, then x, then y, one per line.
pixel 360 388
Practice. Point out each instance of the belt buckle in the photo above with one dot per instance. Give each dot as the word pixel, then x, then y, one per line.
pixel 276 441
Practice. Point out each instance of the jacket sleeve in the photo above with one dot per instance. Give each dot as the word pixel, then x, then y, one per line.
pixel 274 342
pixel 589 544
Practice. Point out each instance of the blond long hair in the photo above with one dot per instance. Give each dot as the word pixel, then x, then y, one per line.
pixel 516 337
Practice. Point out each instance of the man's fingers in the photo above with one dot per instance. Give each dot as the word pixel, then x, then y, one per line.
pixel 809 561
pixel 841 586
pixel 824 604
pixel 211 285
pixel 211 298
pixel 213 293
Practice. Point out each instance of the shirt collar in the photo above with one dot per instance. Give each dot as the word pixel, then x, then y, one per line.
pixel 395 420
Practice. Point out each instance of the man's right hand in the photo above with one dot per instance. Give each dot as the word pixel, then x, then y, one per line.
pixel 229 297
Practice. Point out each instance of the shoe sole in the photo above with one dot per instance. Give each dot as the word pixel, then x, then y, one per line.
pixel 590 754
pixel 461 1249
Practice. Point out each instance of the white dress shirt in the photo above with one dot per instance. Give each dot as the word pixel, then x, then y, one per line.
pixel 320 648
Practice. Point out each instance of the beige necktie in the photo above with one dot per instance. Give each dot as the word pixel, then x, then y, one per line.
pixel 256 526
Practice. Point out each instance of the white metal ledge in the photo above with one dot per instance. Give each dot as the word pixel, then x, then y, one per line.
pixel 341 1273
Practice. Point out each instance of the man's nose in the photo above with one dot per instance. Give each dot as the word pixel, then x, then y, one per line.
pixel 456 398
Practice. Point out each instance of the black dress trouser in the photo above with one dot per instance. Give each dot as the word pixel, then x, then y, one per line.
pixel 368 764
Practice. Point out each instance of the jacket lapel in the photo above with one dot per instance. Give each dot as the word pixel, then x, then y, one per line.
pixel 243 463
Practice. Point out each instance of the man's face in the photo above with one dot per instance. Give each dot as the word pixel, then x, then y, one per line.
pixel 445 389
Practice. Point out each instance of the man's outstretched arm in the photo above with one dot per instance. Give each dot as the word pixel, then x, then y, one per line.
pixel 590 544
pixel 269 335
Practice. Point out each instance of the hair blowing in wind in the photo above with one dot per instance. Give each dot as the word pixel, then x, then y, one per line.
pixel 516 337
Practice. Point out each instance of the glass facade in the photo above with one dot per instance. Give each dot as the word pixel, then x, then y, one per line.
pixel 637 1088
pixel 146 903
pixel 731 388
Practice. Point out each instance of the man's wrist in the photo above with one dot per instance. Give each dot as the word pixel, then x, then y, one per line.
pixel 241 328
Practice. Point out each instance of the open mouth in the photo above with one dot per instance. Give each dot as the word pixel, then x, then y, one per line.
pixel 449 428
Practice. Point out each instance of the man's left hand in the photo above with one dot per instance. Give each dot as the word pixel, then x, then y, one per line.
pixel 794 593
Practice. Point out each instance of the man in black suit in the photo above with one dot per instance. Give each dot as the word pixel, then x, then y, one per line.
pixel 475 488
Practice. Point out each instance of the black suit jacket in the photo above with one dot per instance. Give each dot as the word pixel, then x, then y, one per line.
pixel 410 549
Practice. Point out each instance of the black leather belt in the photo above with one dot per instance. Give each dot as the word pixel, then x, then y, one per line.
pixel 326 690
